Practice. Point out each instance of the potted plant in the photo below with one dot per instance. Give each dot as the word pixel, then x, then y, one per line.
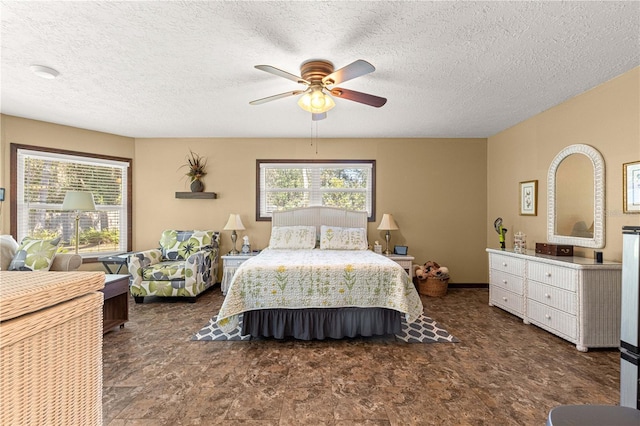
pixel 196 165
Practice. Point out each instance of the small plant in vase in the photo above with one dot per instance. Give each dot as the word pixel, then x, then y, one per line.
pixel 196 165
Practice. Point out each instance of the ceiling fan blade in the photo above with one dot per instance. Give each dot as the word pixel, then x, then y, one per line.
pixel 353 70
pixel 274 97
pixel 318 117
pixel 281 73
pixel 363 98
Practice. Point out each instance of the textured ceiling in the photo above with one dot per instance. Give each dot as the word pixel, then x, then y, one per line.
pixel 186 69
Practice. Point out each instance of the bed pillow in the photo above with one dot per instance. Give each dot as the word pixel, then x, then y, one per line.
pixel 34 255
pixel 293 237
pixel 338 238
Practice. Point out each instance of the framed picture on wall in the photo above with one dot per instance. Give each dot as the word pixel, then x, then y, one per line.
pixel 631 187
pixel 529 198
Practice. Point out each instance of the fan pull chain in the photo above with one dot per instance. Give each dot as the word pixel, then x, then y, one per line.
pixel 314 123
pixel 316 138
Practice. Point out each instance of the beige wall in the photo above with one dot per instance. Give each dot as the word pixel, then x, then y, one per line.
pixel 606 117
pixel 39 133
pixel 444 193
pixel 435 189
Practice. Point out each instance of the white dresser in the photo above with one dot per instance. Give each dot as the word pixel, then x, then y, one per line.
pixel 572 297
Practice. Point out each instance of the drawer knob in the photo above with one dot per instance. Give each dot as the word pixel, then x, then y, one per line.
pixel 504 281
pixel 504 264
pixel 548 274
pixel 547 316
pixel 504 298
pixel 547 295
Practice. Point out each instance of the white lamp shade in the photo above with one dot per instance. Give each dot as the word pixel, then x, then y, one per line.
pixel 78 201
pixel 316 102
pixel 234 223
pixel 387 223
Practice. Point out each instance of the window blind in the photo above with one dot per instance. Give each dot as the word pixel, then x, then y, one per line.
pixel 285 185
pixel 43 180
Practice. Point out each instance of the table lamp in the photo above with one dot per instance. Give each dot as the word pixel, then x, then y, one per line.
pixel 78 201
pixel 234 224
pixel 387 224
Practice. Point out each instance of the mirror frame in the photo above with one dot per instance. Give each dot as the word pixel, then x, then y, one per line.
pixel 598 194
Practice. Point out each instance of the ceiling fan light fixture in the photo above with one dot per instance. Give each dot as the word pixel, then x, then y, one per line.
pixel 320 76
pixel 316 102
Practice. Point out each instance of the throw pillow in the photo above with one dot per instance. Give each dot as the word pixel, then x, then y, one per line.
pixel 34 255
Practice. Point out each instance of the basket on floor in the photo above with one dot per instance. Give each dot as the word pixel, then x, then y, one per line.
pixel 433 287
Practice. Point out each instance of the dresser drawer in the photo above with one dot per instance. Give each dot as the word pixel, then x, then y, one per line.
pixel 557 276
pixel 563 300
pixel 507 300
pixel 551 318
pixel 507 281
pixel 507 264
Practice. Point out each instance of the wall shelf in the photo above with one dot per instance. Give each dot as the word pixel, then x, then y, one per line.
pixel 197 195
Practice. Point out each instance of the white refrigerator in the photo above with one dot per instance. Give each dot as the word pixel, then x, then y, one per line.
pixel 630 314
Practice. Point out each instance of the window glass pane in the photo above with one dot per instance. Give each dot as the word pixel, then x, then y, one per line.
pixel 347 200
pixel 344 178
pixel 278 200
pixel 287 178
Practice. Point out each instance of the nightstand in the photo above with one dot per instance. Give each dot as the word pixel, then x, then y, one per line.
pixel 405 261
pixel 230 263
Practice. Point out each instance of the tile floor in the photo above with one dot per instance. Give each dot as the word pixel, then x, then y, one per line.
pixel 501 373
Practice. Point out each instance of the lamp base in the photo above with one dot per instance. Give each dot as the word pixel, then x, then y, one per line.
pixel 234 238
pixel 387 237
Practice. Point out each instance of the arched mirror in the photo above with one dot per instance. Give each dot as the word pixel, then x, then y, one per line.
pixel 575 191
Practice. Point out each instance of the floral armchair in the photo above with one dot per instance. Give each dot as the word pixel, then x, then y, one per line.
pixel 185 265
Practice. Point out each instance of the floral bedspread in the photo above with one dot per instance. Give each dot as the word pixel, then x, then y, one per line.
pixel 298 279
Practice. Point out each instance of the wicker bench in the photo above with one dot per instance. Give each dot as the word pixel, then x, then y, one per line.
pixel 51 348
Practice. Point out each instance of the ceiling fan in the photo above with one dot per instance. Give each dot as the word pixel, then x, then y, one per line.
pixel 320 78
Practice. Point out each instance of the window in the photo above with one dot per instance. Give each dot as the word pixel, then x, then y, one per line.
pixel 42 177
pixel 287 184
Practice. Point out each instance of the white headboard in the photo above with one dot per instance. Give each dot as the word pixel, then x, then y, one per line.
pixel 320 215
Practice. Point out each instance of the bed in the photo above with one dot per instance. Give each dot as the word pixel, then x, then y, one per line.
pixel 317 279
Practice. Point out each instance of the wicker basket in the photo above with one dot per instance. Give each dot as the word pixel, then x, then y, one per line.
pixel 51 348
pixel 433 287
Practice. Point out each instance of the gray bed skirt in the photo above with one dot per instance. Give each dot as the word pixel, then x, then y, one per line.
pixel 321 323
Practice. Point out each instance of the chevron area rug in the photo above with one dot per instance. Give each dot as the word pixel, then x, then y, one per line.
pixel 423 330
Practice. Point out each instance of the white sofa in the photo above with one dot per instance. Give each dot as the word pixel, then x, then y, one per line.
pixel 61 261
